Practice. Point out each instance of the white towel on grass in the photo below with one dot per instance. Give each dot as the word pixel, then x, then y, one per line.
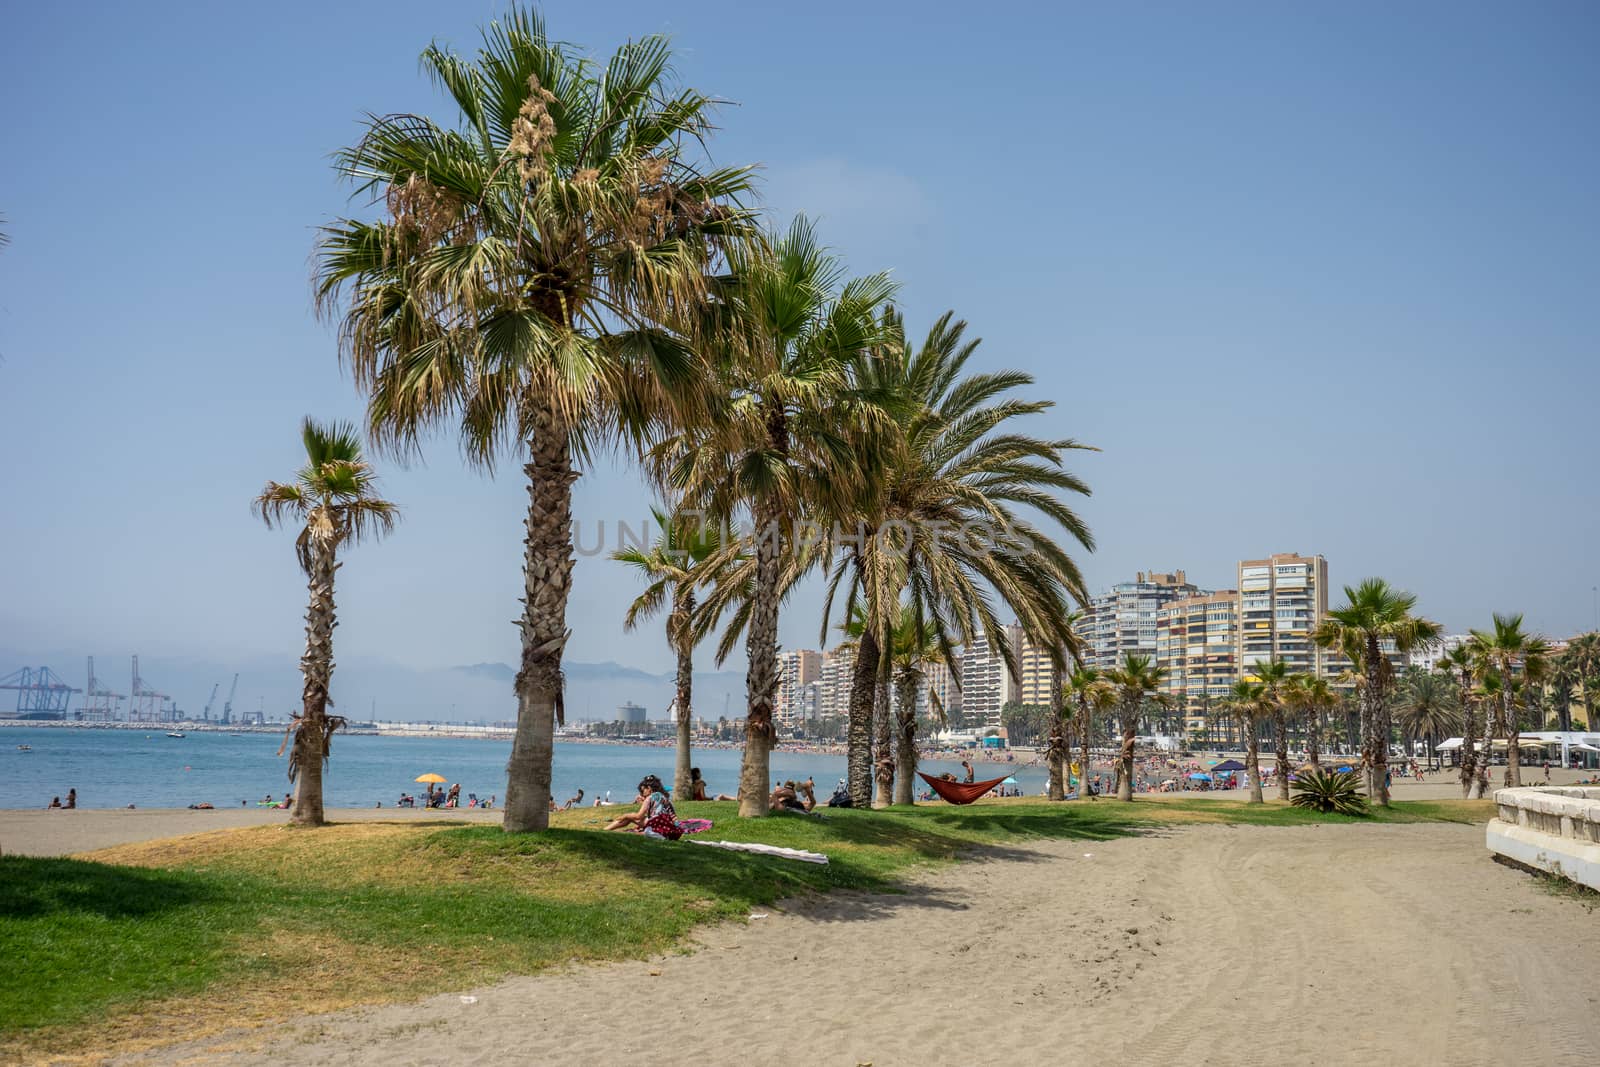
pixel 764 850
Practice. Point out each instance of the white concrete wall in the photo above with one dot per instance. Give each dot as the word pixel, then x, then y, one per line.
pixel 1552 828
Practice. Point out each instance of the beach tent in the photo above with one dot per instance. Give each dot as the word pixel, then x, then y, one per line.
pixel 1229 765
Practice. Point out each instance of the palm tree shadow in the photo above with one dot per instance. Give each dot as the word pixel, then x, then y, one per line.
pixel 32 887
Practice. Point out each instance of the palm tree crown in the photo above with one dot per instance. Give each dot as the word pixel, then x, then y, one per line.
pixel 333 498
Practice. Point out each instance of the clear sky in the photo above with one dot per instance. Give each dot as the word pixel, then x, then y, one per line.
pixel 1316 277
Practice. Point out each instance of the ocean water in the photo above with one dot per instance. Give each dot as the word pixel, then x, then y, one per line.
pixel 115 768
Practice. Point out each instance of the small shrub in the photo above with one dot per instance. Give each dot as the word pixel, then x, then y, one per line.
pixel 1336 792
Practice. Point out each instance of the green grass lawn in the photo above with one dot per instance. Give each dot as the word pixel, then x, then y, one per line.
pixel 238 926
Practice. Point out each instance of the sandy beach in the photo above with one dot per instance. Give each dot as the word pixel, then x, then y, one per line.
pixel 1249 944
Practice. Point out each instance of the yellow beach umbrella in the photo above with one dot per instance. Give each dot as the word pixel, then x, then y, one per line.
pixel 431 778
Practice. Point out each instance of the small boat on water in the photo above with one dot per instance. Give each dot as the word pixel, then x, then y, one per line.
pixel 176 734
pixel 24 748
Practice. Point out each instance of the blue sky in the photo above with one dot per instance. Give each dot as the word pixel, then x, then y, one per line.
pixel 1317 278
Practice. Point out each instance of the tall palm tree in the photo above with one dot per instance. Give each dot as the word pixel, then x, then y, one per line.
pixel 1246 703
pixel 1563 680
pixel 1584 651
pixel 767 440
pixel 674 565
pixel 943 515
pixel 1137 680
pixel 1375 614
pixel 1091 692
pixel 916 641
pixel 1309 697
pixel 515 281
pixel 1457 662
pixel 1507 650
pixel 1427 707
pixel 1273 674
pixel 334 500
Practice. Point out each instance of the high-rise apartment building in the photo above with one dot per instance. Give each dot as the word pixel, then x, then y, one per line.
pixel 1033 673
pixel 833 687
pixel 796 670
pixel 938 681
pixel 1122 622
pixel 987 684
pixel 1197 643
pixel 1281 600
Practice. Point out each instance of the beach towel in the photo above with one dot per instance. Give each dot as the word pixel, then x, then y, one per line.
pixel 959 792
pixel 694 826
pixel 766 850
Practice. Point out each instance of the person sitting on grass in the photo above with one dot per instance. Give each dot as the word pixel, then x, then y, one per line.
pixel 655 816
pixel 574 801
pixel 784 798
pixel 697 788
pixel 808 793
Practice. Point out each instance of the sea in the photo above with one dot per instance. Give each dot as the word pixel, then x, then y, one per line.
pixel 148 769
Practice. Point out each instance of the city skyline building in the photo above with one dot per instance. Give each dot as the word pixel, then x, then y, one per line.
pixel 1198 645
pixel 1122 621
pixel 797 668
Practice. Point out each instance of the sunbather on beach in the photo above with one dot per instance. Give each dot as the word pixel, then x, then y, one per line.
pixel 697 788
pixel 655 815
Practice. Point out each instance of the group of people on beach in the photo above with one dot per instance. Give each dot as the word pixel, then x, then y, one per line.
pixel 72 800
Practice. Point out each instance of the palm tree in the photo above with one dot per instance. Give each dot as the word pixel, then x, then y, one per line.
pixel 1091 692
pixel 1563 680
pixel 1310 697
pixel 673 566
pixel 1427 707
pixel 1585 653
pixel 1376 614
pixel 1457 662
pixel 1507 650
pixel 767 440
pixel 515 282
pixel 334 500
pixel 1273 674
pixel 948 462
pixel 916 641
pixel 1246 703
pixel 1137 680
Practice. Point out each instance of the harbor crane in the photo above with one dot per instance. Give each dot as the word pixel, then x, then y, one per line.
pixel 147 704
pixel 41 692
pixel 100 704
pixel 206 715
pixel 227 708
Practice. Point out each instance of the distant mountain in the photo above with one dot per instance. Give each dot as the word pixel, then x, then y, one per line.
pixel 595 690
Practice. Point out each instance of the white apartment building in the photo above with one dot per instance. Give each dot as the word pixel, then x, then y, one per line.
pixel 987 685
pixel 1122 622
pixel 796 670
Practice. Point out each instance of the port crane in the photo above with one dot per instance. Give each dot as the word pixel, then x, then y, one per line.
pixel 147 705
pixel 205 716
pixel 227 707
pixel 100 704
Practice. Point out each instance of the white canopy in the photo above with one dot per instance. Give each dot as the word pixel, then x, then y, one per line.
pixel 1445 746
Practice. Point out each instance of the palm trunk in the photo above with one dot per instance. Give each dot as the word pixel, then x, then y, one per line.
pixel 1130 734
pixel 547 583
pixel 1252 763
pixel 1486 764
pixel 1375 731
pixel 682 779
pixel 906 743
pixel 316 668
pixel 1056 751
pixel 1469 752
pixel 761 683
pixel 1314 738
pixel 883 722
pixel 863 683
pixel 1280 725
pixel 1513 733
pixel 1085 733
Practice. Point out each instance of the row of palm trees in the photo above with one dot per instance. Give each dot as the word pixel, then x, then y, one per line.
pixel 562 271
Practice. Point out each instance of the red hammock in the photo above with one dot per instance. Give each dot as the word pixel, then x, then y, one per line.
pixel 959 792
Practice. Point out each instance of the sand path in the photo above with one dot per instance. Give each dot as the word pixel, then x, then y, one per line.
pixel 1234 944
